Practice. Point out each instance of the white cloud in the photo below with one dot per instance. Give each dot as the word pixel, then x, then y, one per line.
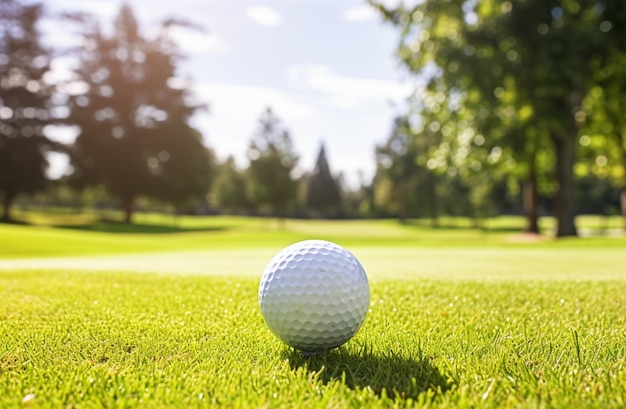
pixel 360 13
pixel 58 34
pixel 197 42
pixel 245 102
pixel 264 16
pixel 235 109
pixel 344 91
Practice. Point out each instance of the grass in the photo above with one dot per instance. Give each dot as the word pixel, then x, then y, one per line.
pixel 459 318
pixel 128 340
pixel 72 235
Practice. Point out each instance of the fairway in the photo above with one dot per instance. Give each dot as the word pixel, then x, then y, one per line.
pixel 458 318
pixel 243 205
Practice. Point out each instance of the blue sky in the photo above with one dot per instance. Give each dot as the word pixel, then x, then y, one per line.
pixel 326 67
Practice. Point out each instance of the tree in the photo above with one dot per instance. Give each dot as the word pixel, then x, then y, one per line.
pixel 323 195
pixel 397 171
pixel 184 168
pixel 230 187
pixel 272 161
pixel 458 108
pixel 25 102
pixel 133 114
pixel 511 62
pixel 605 138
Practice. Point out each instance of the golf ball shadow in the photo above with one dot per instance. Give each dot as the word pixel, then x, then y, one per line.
pixel 395 375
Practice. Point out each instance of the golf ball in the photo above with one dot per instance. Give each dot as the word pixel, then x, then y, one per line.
pixel 314 295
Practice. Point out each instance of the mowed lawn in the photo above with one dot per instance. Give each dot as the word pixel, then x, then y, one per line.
pixel 165 314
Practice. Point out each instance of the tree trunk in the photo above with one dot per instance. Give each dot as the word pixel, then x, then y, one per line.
pixel 129 202
pixel 565 195
pixel 531 199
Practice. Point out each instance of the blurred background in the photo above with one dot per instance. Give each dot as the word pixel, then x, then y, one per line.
pixel 315 109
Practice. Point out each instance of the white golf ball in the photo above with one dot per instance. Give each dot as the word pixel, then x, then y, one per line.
pixel 314 295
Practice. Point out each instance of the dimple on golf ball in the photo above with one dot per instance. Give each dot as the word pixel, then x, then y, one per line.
pixel 314 295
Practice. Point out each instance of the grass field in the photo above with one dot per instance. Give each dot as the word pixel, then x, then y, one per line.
pixel 165 314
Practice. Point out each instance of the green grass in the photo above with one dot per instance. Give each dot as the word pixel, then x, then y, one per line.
pixel 71 235
pixel 143 340
pixel 459 318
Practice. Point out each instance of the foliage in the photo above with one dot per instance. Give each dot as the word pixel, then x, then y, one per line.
pixel 596 195
pixel 323 195
pixel 499 66
pixel 230 188
pixel 272 161
pixel 25 102
pixel 402 182
pixel 511 95
pixel 604 139
pixel 133 115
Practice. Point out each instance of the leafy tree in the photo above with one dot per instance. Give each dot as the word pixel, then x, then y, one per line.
pixel 510 63
pixel 272 161
pixel 604 142
pixel 184 167
pixel 456 110
pixel 358 201
pixel 597 195
pixel 135 137
pixel 323 194
pixel 460 164
pixel 614 82
pixel 397 172
pixel 25 102
pixel 230 187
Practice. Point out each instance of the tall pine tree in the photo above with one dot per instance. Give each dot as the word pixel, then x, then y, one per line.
pixel 24 102
pixel 272 161
pixel 323 194
pixel 230 188
pixel 135 137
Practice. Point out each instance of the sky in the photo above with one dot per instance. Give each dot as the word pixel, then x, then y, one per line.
pixel 325 67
